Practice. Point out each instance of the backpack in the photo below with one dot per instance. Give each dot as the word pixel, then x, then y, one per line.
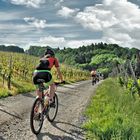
pixel 43 65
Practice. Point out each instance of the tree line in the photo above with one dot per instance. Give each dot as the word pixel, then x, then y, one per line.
pixel 100 56
pixel 11 48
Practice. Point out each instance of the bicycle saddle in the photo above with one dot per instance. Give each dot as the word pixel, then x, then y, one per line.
pixel 40 80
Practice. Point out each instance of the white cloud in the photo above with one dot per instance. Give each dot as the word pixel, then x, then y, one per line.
pixel 36 22
pixel 58 25
pixel 28 3
pixel 78 43
pixel 119 20
pixel 67 12
pixel 40 24
pixel 96 19
pixel 61 42
pixel 9 15
pixel 52 41
pixel 12 39
pixel 71 35
pixel 123 39
pixel 59 3
pixel 17 34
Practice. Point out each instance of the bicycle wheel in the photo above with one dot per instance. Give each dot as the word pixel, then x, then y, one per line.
pixel 36 116
pixel 53 109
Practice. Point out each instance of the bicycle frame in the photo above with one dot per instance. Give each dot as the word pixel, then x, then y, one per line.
pixel 42 88
pixel 49 110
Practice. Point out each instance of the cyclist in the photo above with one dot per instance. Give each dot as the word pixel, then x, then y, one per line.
pixel 93 74
pixel 43 72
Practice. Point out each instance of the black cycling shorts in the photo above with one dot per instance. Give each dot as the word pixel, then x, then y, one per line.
pixel 42 75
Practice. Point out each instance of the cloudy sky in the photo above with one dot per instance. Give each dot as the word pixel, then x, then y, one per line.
pixel 69 23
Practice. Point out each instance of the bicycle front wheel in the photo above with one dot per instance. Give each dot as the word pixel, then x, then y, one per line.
pixel 36 116
pixel 53 109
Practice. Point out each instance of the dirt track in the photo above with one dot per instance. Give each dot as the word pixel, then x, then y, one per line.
pixel 73 98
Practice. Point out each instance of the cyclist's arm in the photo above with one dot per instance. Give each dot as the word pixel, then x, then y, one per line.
pixel 59 74
pixel 58 70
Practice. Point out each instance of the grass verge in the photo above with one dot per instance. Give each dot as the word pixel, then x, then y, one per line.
pixel 112 114
pixel 17 87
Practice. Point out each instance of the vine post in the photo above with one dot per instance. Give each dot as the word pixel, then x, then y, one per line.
pixel 9 73
pixel 133 76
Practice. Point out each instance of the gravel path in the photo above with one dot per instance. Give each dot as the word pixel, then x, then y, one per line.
pixel 73 98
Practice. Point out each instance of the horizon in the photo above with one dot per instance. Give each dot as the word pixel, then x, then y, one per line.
pixel 66 47
pixel 63 23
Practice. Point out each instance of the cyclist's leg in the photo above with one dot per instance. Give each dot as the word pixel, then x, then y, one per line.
pixel 35 77
pixel 39 94
pixel 51 90
pixel 50 83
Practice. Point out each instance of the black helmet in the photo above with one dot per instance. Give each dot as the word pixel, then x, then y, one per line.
pixel 49 51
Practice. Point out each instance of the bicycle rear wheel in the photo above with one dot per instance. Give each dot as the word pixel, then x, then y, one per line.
pixel 53 109
pixel 36 116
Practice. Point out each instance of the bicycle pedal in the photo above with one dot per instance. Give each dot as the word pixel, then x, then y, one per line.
pixel 45 111
pixel 52 105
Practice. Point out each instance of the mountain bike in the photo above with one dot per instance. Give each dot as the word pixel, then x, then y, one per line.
pixel 40 110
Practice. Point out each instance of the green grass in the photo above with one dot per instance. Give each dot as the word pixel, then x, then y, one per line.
pixel 112 114
pixel 4 92
pixel 17 87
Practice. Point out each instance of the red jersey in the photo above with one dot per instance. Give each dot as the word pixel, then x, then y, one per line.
pixel 53 62
pixel 47 63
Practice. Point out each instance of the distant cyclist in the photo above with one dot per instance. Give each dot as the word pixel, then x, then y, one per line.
pixel 43 71
pixel 93 74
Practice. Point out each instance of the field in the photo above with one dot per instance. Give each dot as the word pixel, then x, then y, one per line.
pixel 16 73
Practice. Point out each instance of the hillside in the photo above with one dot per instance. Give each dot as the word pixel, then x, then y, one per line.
pixel 100 56
pixel 16 70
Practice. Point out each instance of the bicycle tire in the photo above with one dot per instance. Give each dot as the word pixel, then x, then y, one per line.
pixel 49 117
pixel 41 119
